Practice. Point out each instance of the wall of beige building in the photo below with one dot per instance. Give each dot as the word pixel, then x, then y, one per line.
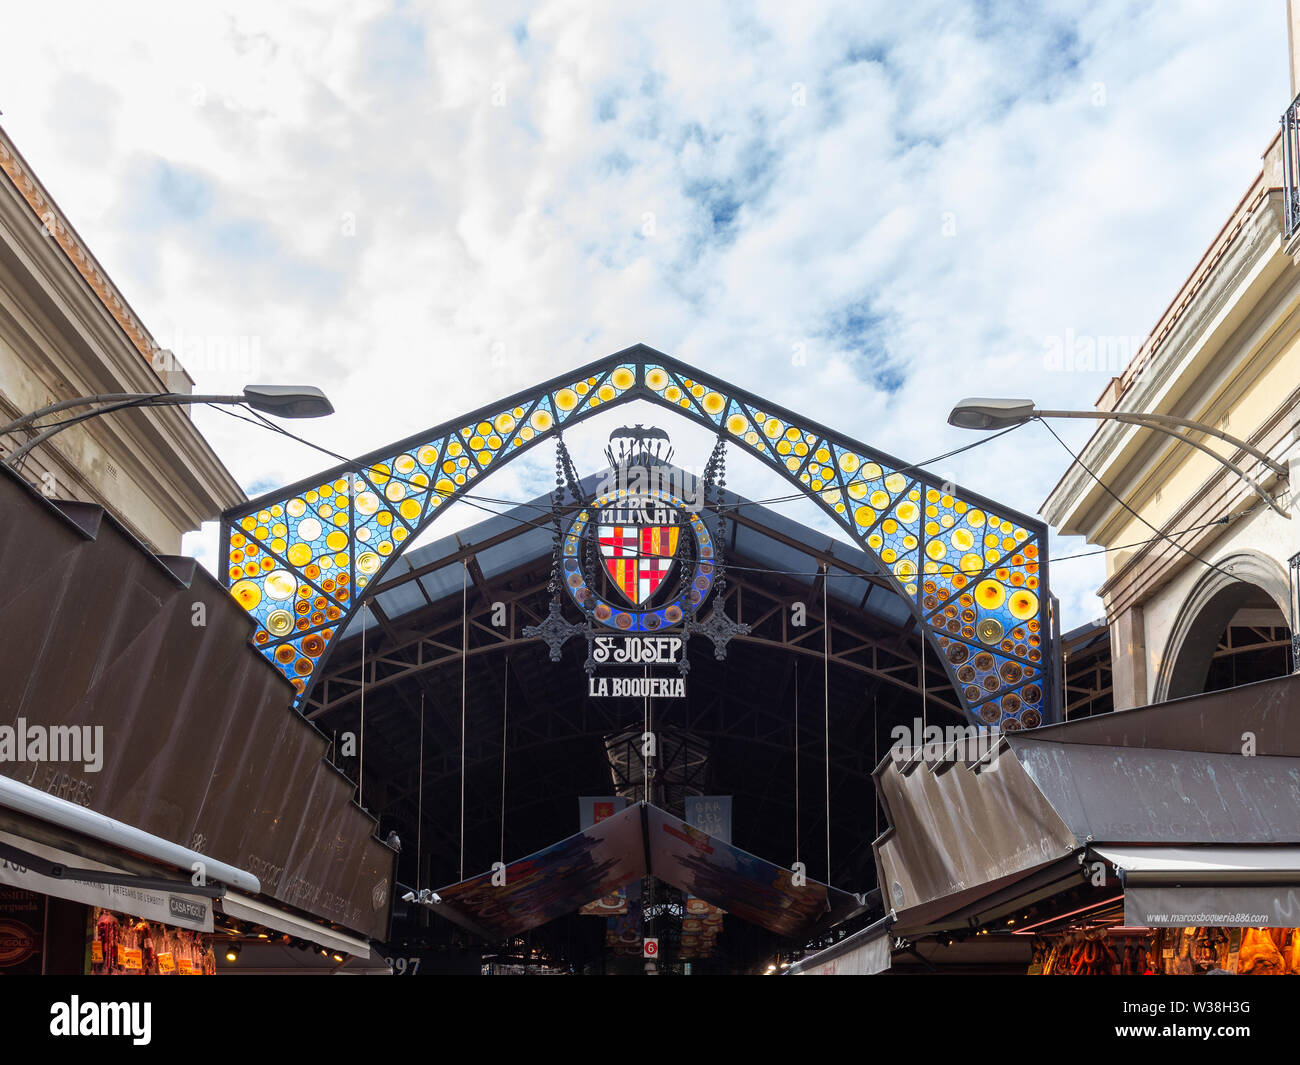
pixel 1256 551
pixel 1293 44
pixel 1253 383
pixel 1255 546
pixel 62 336
pixel 1244 396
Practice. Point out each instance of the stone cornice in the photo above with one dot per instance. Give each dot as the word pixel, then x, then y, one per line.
pixel 99 345
pixel 57 226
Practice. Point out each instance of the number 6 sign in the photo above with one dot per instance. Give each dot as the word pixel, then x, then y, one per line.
pixel 650 948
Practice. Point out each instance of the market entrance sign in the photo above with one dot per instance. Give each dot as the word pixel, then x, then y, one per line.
pixel 637 561
pixel 633 651
pixel 637 557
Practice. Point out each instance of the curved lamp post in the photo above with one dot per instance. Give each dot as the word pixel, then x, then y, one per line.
pixel 283 401
pixel 1005 413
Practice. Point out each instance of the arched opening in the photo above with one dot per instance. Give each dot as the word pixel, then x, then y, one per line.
pixel 440 669
pixel 1231 631
pixel 1255 645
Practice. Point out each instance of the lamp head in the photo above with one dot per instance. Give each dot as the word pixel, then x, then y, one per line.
pixel 288 401
pixel 991 413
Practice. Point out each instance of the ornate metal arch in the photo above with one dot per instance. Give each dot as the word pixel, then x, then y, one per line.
pixel 973 572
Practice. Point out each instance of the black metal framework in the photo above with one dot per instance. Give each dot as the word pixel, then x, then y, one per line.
pixel 734 735
pixel 838 473
pixel 1291 166
pixel 1293 589
pixel 1086 662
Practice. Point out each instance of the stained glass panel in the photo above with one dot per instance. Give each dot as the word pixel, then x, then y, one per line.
pixel 974 575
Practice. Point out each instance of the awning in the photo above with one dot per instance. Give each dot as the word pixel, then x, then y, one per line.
pixel 196 745
pixel 122 891
pixel 39 804
pixel 1179 887
pixel 864 953
pixel 1161 787
pixel 243 908
pixel 276 959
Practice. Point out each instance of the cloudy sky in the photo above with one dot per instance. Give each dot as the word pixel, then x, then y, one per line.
pixel 863 210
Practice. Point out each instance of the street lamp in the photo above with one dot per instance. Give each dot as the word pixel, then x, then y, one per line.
pixel 283 401
pixel 1006 413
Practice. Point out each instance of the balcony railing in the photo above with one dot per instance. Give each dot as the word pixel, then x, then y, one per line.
pixel 1291 165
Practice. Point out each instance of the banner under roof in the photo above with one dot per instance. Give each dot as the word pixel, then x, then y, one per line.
pixel 642 840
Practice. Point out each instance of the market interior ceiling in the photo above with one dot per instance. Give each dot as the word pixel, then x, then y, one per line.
pixel 733 734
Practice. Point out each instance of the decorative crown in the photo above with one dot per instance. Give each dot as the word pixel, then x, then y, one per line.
pixel 638 446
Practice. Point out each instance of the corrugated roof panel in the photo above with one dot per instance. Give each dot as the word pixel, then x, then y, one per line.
pixel 355 626
pixel 756 547
pixel 399 600
pixel 1117 794
pixel 514 553
pixel 443 582
pixel 887 605
pixel 495 524
pixel 432 552
pixel 847 588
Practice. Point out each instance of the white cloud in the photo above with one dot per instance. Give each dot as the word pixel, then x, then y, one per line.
pixel 341 186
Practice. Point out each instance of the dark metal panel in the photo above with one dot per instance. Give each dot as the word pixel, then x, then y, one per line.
pixel 551 882
pixel 1211 722
pixel 637 841
pixel 200 745
pixel 956 828
pixel 740 883
pixel 1122 795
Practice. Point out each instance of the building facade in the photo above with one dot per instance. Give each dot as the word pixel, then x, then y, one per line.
pixel 66 331
pixel 1197 590
pixel 145 746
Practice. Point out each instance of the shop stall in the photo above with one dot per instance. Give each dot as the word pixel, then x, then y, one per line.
pixel 1193 951
pixel 153 773
pixel 122 945
pixel 1144 841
